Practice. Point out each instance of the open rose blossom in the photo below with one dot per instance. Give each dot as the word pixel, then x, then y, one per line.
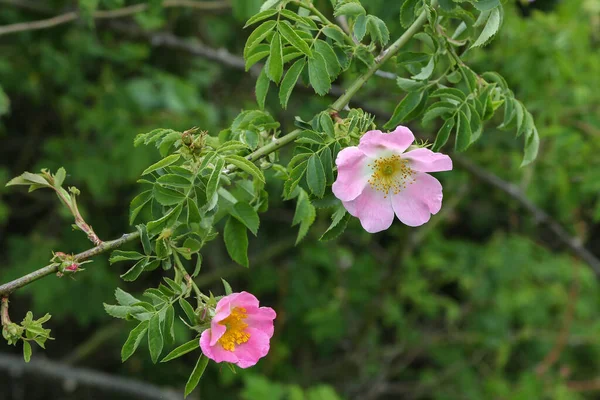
pixel 378 178
pixel 240 331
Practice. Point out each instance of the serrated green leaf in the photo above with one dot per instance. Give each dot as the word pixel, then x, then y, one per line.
pixel 305 215
pixel 138 203
pixel 486 5
pixel 260 17
pixel 236 241
pixel 169 328
pixel 443 134
pixel 26 351
pixel 165 162
pixel 262 88
pixel 257 36
pixel 274 66
pixel 134 272
pixel 331 60
pixel 335 33
pixel 166 196
pixel 408 104
pixel 246 166
pixel 532 144
pixel 349 9
pixel 155 337
pixel 120 255
pixel 426 71
pixel 134 340
pixel 289 81
pixel 59 177
pixel 247 215
pixel 409 85
pixel 181 350
pixel 463 132
pixel 144 239
pixel 315 176
pixel 318 74
pixel 327 161
pixel 337 227
pixel 213 181
pixel 407 12
pixel 360 27
pixel 227 287
pixel 378 30
pixel 188 310
pixel 124 298
pixel 290 36
pixel 196 375
pixel 491 27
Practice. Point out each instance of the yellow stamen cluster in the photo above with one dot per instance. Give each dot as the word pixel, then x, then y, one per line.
pixel 235 333
pixel 390 174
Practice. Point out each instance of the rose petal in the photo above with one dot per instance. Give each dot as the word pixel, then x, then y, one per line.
pixel 353 173
pixel 262 319
pixel 415 204
pixel 216 353
pixel 378 144
pixel 244 300
pixel 425 160
pixel 373 209
pixel 254 349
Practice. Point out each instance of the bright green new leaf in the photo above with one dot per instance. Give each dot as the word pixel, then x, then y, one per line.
pixel 165 162
pixel 257 36
pixel 491 27
pixel 318 74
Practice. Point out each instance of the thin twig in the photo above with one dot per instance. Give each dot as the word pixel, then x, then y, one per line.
pixel 109 14
pixel 11 286
pixel 83 376
pixel 539 215
pixel 4 317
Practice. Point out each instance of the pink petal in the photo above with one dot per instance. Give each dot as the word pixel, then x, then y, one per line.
pixel 254 349
pixel 216 353
pixel 415 204
pixel 378 144
pixel 353 173
pixel 244 300
pixel 425 160
pixel 373 209
pixel 262 319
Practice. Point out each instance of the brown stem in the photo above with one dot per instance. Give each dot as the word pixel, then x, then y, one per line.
pixel 118 13
pixel 4 317
pixel 11 286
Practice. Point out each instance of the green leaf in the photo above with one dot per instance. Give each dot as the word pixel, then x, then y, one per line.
pixel 59 177
pixel 288 33
pixel 213 181
pixel 166 196
pixel 133 341
pixel 289 81
pixel 426 71
pixel 335 33
pixel 247 215
pixel 378 30
pixel 443 134
pixel 258 35
pixel 463 132
pixel 315 176
pixel 337 227
pixel 349 9
pixel 476 125
pixel 169 328
pixel 260 16
pixel 305 215
pixel 274 66
pixel 258 53
pixel 246 166
pixel 165 162
pixel 188 310
pixel 196 375
pixel 155 337
pixel 193 215
pixel 327 124
pixel 124 298
pixel 26 351
pixel 491 27
pixel 331 60
pixel 236 241
pixel 227 287
pixel 486 5
pixel 144 239
pixel 134 272
pixel 318 74
pixel 170 217
pixel 409 85
pixel 120 255
pixel 327 161
pixel 198 265
pixel 408 104
pixel 181 350
pixel 262 88
pixel 360 27
pixel 407 12
pixel 138 203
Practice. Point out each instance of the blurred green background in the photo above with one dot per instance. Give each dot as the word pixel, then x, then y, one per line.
pixel 484 302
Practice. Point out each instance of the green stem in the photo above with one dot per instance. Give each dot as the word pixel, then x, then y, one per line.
pixel 188 278
pixel 10 287
pixel 344 99
pixel 322 17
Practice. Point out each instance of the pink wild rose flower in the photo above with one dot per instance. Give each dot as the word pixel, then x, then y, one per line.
pixel 240 331
pixel 378 179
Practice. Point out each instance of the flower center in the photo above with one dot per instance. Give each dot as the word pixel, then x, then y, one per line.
pixel 390 174
pixel 235 334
